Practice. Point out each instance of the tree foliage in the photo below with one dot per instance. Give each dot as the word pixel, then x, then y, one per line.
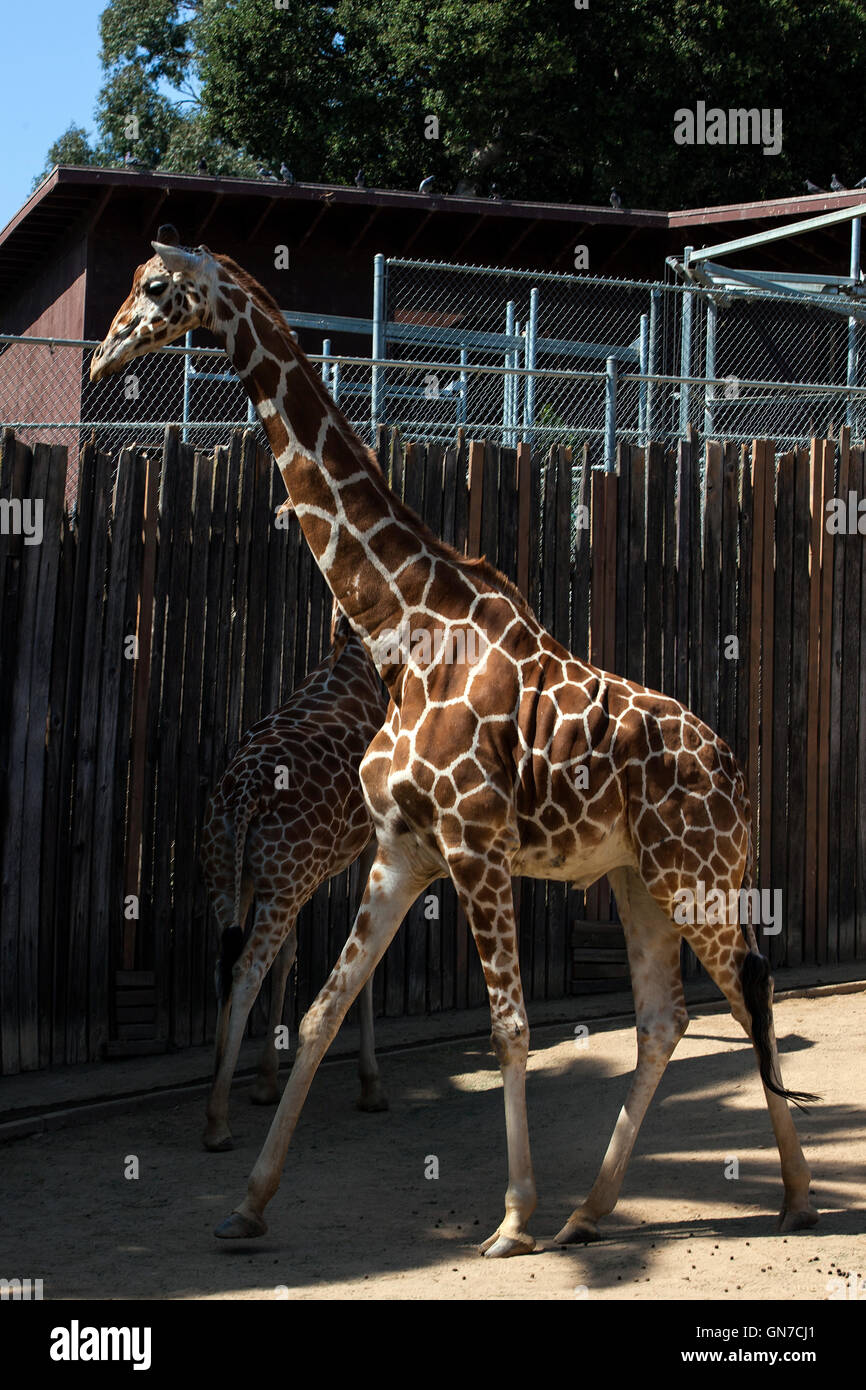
pixel 535 97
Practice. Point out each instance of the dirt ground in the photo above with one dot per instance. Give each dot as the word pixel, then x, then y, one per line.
pixel 355 1216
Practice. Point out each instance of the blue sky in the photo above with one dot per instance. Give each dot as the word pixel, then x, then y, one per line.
pixel 51 78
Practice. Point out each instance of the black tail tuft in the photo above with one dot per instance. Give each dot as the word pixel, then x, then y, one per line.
pixel 757 997
pixel 231 945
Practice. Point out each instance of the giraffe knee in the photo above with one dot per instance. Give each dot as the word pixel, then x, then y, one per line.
pixel 509 1038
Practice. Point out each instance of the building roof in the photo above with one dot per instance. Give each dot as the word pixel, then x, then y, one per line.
pixel 71 200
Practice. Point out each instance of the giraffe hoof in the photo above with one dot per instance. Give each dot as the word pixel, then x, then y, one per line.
pixel 265 1093
pixel 500 1247
pixel 239 1227
pixel 578 1230
pixel 218 1143
pixel 373 1103
pixel 799 1220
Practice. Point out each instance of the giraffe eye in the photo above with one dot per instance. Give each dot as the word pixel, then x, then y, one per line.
pixel 156 287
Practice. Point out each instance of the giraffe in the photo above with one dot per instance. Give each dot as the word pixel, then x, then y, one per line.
pixel 288 814
pixel 525 760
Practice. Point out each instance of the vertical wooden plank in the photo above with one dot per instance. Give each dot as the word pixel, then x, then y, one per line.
pixel 783 636
pixel 635 614
pixel 618 582
pixel 840 554
pixel 852 621
pixel 16 469
pixel 712 563
pixel 654 571
pixel 88 986
pixel 767 668
pixel 113 746
pixel 253 707
pixel 524 464
pixel 146 548
pixel 759 526
pixel 823 951
pixel 26 769
pixel 187 962
pixel 727 700
pixel 54 893
pixel 476 475
pixel 235 727
pixel 813 671
pixel 170 802
pixel 581 565
pixel 670 581
pixel 744 607
pixel 799 847
pixel 685 492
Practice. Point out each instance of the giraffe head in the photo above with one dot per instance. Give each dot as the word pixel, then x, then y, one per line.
pixel 171 294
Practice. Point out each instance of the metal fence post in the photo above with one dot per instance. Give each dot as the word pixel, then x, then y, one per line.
pixel 851 413
pixel 610 415
pixel 517 382
pixel 642 384
pixel 529 389
pixel 326 353
pixel 186 383
pixel 376 381
pixel 710 366
pixel 509 383
pixel 462 403
pixel 685 350
pixel 652 356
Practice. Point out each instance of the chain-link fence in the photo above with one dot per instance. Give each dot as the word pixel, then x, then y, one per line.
pixel 508 356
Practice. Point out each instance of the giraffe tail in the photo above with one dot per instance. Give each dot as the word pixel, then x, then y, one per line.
pixel 232 939
pixel 758 997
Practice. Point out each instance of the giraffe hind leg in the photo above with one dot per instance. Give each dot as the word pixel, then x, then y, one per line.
pixel 660 1018
pixel 744 979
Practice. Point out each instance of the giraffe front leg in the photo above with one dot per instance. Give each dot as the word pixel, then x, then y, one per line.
pixel 392 888
pixel 660 1018
pixel 493 929
pixel 266 1090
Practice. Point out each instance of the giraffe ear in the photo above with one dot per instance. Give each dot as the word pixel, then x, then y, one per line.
pixel 175 258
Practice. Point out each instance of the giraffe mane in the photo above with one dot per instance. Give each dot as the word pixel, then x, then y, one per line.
pixel 479 566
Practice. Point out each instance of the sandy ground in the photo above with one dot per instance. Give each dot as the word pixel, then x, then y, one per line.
pixel 356 1217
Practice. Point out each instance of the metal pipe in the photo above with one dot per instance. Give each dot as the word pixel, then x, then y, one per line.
pixel 642 385
pixel 529 390
pixel 377 379
pixel 463 402
pixel 509 383
pixel 519 380
pixel 610 415
pixel 851 414
pixel 710 366
pixel 652 357
pixel 326 353
pixel 685 349
pixel 187 372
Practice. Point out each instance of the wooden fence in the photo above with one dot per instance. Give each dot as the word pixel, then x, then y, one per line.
pixel 166 613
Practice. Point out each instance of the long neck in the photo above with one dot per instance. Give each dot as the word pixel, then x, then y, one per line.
pixel 365 541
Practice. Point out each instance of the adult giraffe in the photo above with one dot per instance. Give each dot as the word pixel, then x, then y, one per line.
pixel 527 761
pixel 288 813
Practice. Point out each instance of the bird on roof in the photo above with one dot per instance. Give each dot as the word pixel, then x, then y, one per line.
pixel 131 162
pixel 360 180
pixel 427 185
pixel 286 174
pixel 494 191
pixel 265 173
pixel 811 187
pixel 836 185
pixel 615 199
pixel 202 166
